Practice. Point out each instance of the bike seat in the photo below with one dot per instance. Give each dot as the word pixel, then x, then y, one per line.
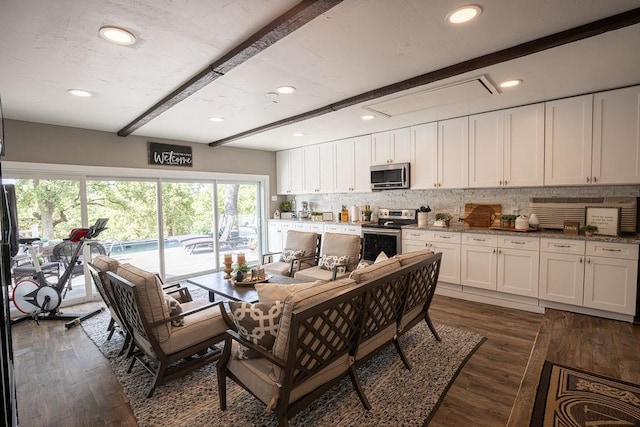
pixel 28 240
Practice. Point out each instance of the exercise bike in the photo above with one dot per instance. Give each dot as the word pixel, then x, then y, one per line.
pixel 39 299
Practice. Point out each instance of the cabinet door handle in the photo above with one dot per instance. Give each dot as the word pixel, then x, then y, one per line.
pixel 588 179
pixel 588 260
pixel 444 237
pixel 595 179
pixel 611 250
pixel 580 260
pixel 435 184
pixel 479 240
pixel 494 251
pixel 505 183
pixel 500 182
pixel 515 242
pixel 561 246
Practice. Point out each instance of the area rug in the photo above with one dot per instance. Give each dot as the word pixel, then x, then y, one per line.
pixel 572 397
pixel 398 396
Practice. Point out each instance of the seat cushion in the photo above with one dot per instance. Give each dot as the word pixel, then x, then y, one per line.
pixel 342 244
pixel 270 292
pixel 278 267
pixel 302 240
pixel 412 257
pixel 104 263
pixel 198 327
pixel 150 298
pixel 317 273
pixel 375 270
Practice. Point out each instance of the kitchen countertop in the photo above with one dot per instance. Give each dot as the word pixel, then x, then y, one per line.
pixel 633 238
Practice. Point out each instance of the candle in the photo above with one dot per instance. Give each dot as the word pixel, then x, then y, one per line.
pixel 227 259
pixel 241 259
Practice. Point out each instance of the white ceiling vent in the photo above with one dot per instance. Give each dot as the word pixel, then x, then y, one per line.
pixel 453 93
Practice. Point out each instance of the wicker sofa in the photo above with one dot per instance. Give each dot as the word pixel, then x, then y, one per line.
pixel 328 330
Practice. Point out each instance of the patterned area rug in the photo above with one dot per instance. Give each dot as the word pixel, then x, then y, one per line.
pixel 571 397
pixel 398 396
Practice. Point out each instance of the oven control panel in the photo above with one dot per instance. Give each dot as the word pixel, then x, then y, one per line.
pixel 397 214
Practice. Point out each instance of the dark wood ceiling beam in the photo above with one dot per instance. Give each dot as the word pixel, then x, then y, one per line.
pixel 279 28
pixel 581 32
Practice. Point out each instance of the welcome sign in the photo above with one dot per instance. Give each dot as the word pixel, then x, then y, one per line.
pixel 170 155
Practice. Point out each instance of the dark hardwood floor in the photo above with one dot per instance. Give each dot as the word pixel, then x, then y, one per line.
pixel 63 379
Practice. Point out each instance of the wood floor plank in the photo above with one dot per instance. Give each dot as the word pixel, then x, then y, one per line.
pixel 63 379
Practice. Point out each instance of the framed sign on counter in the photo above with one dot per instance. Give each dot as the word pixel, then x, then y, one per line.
pixel 606 219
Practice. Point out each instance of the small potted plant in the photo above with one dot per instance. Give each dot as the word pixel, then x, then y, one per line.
pixel 316 216
pixel 588 230
pixel 367 214
pixel 241 271
pixel 444 217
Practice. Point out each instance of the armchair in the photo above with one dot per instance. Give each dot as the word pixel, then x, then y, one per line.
pixel 341 253
pixel 162 335
pixel 301 251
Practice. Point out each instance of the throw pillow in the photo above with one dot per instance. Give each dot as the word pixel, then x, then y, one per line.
pixel 289 254
pixel 327 262
pixel 271 292
pixel 381 257
pixel 174 309
pixel 257 323
pixel 361 265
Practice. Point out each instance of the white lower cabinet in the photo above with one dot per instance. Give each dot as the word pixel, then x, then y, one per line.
pixel 518 265
pixel 479 261
pixel 562 271
pixel 448 243
pixel 611 277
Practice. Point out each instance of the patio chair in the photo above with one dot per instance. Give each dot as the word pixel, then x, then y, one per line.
pixel 22 267
pixel 163 331
pixel 341 253
pixel 301 251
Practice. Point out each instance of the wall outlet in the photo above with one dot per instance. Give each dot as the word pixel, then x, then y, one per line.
pixel 274 198
pixel 456 210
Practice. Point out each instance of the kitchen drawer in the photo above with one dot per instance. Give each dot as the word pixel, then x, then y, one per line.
pixel 479 240
pixel 561 246
pixel 444 236
pixel 352 229
pixel 415 235
pixel 517 242
pixel 332 228
pixel 612 250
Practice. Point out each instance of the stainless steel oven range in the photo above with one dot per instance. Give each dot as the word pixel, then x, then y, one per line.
pixel 386 235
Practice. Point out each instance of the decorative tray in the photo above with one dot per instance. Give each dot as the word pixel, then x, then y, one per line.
pixel 251 282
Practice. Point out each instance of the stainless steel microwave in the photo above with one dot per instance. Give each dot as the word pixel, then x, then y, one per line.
pixel 391 176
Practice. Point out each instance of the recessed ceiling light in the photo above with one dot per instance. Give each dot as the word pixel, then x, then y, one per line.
pixel 117 35
pixel 368 117
pixel 80 93
pixel 298 134
pixel 286 89
pixel 510 83
pixel 216 119
pixel 464 14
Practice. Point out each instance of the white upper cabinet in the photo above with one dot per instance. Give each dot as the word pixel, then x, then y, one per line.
pixel 424 156
pixel 486 147
pixel 352 163
pixel 523 157
pixel 319 168
pixel 290 171
pixel 616 137
pixel 506 148
pixel 453 153
pixel 391 146
pixel 568 136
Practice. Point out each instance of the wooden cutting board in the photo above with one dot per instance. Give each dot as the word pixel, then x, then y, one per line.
pixel 479 215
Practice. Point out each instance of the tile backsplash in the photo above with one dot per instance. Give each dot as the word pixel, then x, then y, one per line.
pixel 453 200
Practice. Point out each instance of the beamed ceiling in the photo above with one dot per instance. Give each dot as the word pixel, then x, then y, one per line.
pixel 195 59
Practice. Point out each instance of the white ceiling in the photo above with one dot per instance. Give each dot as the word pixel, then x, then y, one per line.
pixel 49 46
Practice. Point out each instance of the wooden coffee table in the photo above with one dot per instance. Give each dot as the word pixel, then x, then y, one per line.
pixel 216 284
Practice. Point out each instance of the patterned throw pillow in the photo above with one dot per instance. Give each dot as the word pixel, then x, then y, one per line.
pixel 257 323
pixel 327 262
pixel 174 309
pixel 290 254
pixel 362 264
